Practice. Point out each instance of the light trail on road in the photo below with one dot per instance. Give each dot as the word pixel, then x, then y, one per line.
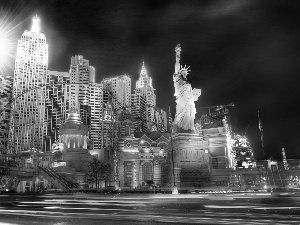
pixel 183 209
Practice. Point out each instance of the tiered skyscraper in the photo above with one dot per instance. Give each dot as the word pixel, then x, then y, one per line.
pixel 144 98
pixel 28 124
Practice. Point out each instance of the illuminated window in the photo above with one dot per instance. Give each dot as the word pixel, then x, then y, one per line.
pixel 147 171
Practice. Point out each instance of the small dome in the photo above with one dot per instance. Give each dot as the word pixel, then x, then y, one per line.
pixel 74 117
pixel 73 124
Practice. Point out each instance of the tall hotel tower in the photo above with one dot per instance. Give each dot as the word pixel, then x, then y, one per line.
pixel 117 96
pixel 57 104
pixel 120 89
pixel 144 98
pixel 96 104
pixel 28 127
pixel 81 75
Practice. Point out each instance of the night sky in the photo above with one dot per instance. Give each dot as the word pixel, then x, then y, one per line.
pixel 241 51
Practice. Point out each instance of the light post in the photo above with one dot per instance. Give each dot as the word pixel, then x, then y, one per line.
pixel 175 190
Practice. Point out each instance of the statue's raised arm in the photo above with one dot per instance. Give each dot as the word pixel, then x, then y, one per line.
pixel 185 98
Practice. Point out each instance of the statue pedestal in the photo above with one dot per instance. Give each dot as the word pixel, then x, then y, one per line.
pixel 191 167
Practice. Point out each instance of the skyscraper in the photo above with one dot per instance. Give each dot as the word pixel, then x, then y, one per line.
pixel 145 89
pixel 28 127
pixel 139 111
pixel 96 104
pixel 119 90
pixel 81 74
pixel 57 103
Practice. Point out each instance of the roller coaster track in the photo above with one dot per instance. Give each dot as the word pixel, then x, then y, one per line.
pixel 65 182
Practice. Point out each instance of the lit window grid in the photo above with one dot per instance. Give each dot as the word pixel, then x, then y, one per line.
pixel 30 71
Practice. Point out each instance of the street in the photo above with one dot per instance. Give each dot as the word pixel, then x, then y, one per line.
pixel 122 208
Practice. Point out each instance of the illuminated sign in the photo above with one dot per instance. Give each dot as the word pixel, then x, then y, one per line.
pixel 57 164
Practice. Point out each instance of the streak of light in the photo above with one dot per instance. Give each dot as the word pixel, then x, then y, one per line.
pixel 178 196
pixel 247 207
pixel 83 203
pixel 159 218
pixel 228 207
pixel 286 207
pixel 2 223
pixel 23 205
pixel 94 201
pixel 57 207
pixel 36 215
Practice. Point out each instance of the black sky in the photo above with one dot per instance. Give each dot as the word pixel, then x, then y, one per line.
pixel 241 51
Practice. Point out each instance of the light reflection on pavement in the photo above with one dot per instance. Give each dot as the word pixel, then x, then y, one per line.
pixel 85 209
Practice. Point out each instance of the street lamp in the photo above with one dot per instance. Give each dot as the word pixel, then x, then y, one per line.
pixel 175 190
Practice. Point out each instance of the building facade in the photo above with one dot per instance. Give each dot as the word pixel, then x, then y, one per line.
pixel 57 103
pixel 119 92
pixel 28 122
pixel 74 135
pixel 142 156
pixel 139 111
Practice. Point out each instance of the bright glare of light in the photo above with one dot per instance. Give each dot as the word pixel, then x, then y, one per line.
pixel 8 41
pixel 35 25
pixel 6 48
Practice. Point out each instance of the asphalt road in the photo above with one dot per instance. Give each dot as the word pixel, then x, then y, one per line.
pixel 136 209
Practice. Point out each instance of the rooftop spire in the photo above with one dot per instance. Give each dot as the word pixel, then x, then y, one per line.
pixel 143 70
pixel 35 28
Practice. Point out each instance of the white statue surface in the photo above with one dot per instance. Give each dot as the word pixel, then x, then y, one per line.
pixel 185 98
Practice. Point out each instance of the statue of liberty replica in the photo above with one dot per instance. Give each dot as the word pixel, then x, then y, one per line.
pixel 189 157
pixel 185 98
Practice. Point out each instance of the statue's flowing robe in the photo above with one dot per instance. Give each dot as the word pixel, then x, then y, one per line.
pixel 185 106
